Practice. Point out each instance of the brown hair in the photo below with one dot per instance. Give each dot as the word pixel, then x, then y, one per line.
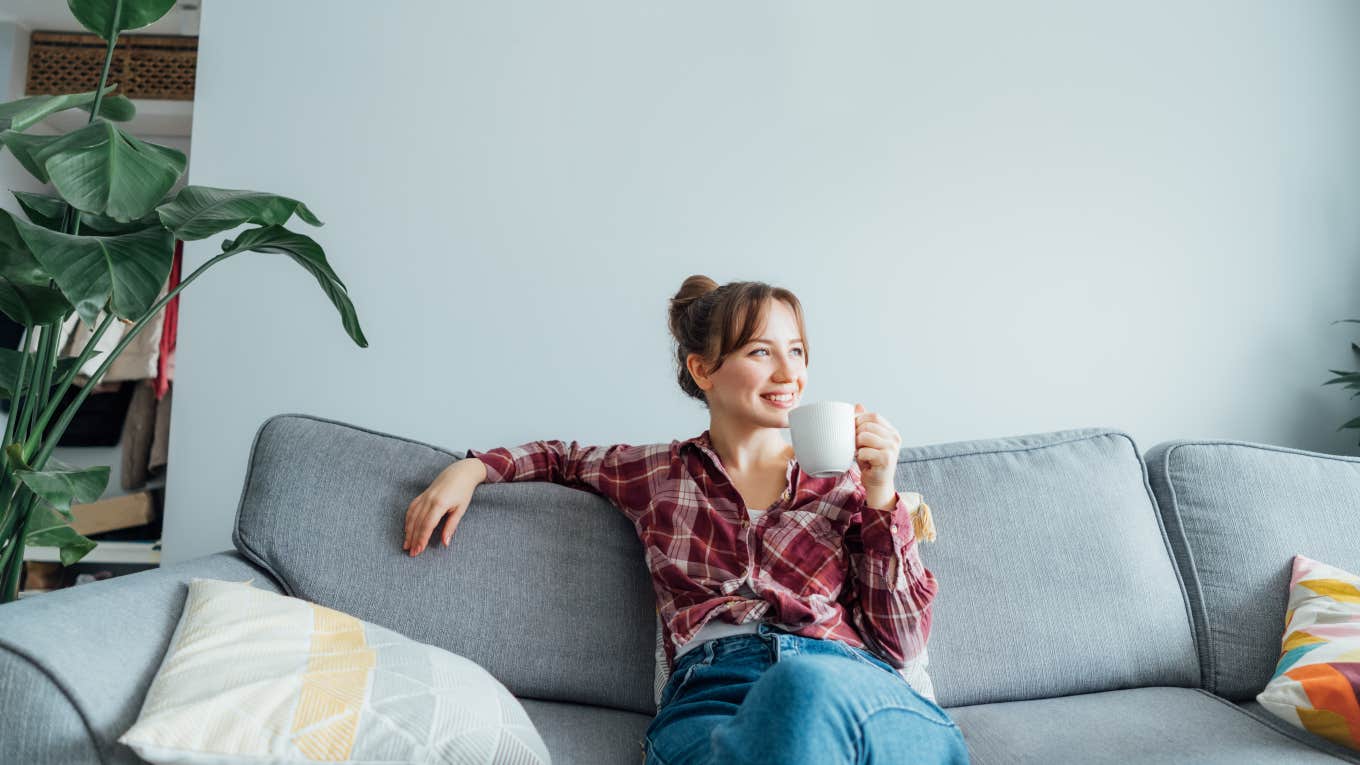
pixel 715 321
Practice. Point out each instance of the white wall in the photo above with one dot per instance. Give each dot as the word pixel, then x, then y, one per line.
pixel 1002 218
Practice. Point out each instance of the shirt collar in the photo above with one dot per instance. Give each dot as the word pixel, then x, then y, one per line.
pixel 704 443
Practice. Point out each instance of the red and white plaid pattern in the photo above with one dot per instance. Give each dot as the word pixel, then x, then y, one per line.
pixel 822 563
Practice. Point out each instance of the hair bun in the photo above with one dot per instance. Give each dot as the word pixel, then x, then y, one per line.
pixel 694 288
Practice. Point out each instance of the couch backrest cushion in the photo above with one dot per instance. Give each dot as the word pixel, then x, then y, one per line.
pixel 543 586
pixel 1237 513
pixel 1055 575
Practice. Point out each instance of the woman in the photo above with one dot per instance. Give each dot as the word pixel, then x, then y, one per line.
pixel 788 601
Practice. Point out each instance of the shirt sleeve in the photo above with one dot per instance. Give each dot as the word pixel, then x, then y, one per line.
pixel 890 592
pixel 620 473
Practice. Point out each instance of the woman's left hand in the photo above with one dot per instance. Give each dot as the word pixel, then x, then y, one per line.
pixel 876 445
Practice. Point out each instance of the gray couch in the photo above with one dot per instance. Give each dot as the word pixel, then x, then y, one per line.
pixel 1095 604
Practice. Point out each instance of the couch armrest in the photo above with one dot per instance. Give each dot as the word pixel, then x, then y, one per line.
pixel 75 664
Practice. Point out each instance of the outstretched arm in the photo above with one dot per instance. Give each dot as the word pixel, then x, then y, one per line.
pixel 621 473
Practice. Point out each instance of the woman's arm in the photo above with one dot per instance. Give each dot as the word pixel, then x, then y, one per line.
pixel 619 473
pixel 449 494
pixel 889 592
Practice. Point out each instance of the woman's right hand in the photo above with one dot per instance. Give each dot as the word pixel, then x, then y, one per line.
pixel 448 495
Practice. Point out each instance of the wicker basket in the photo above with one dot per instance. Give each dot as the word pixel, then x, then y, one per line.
pixel 144 66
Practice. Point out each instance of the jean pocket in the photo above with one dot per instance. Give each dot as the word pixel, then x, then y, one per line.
pixel 863 657
pixel 680 677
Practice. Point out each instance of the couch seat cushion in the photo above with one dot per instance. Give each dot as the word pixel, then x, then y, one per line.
pixel 1159 724
pixel 577 734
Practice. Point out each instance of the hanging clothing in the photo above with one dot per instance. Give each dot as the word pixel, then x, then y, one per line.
pixel 165 361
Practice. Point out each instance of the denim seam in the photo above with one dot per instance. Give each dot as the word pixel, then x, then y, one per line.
pixel 651 752
pixel 859 737
pixel 908 710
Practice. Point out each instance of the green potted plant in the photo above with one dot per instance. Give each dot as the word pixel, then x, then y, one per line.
pixel 104 244
pixel 1348 379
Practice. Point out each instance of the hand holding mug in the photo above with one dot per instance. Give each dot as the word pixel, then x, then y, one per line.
pixel 876 445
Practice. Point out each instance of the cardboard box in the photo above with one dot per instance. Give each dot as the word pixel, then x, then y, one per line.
pixel 122 512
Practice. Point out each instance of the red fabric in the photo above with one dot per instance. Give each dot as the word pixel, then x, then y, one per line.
pixel 165 366
pixel 821 562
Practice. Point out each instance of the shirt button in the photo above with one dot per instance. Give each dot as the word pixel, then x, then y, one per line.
pixel 894 528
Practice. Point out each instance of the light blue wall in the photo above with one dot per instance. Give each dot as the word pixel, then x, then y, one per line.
pixel 1001 218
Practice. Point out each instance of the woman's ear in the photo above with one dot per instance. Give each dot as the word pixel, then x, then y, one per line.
pixel 695 364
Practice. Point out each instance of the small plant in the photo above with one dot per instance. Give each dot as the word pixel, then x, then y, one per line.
pixel 104 244
pixel 1348 379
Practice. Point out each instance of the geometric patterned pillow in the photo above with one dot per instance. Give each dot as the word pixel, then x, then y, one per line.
pixel 256 677
pixel 1317 680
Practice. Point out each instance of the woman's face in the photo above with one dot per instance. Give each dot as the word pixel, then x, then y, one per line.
pixel 772 362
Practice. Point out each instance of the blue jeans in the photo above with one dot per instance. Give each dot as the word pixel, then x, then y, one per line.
pixel 781 699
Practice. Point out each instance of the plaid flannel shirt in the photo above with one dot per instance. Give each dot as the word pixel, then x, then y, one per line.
pixel 822 563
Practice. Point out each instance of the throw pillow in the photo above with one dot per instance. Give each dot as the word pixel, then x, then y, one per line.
pixel 255 677
pixel 1316 681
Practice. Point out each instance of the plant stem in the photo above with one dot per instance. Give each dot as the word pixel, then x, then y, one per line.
pixel 14 556
pixel 27 403
pixel 39 461
pixel 108 60
pixel 14 395
pixel 51 409
pixel 47 363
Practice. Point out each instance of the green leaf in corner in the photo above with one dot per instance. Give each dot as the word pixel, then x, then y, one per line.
pixel 100 169
pixel 116 108
pixel 25 148
pixel 48 528
pixel 1351 379
pixel 98 15
pixel 308 254
pixel 23 113
pixel 198 212
pixel 48 212
pixel 10 362
pixel 59 488
pixel 1355 423
pixel 126 271
pixel 25 295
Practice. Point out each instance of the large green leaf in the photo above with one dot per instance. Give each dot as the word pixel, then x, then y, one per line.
pixel 11 360
pixel 198 212
pixel 126 271
pixel 98 15
pixel 59 488
pixel 25 295
pixel 48 528
pixel 24 113
pixel 48 212
pixel 25 148
pixel 100 169
pixel 308 254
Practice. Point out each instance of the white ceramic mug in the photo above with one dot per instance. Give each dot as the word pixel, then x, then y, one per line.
pixel 823 437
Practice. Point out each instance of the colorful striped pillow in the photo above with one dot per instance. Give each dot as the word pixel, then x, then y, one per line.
pixel 255 677
pixel 1317 680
